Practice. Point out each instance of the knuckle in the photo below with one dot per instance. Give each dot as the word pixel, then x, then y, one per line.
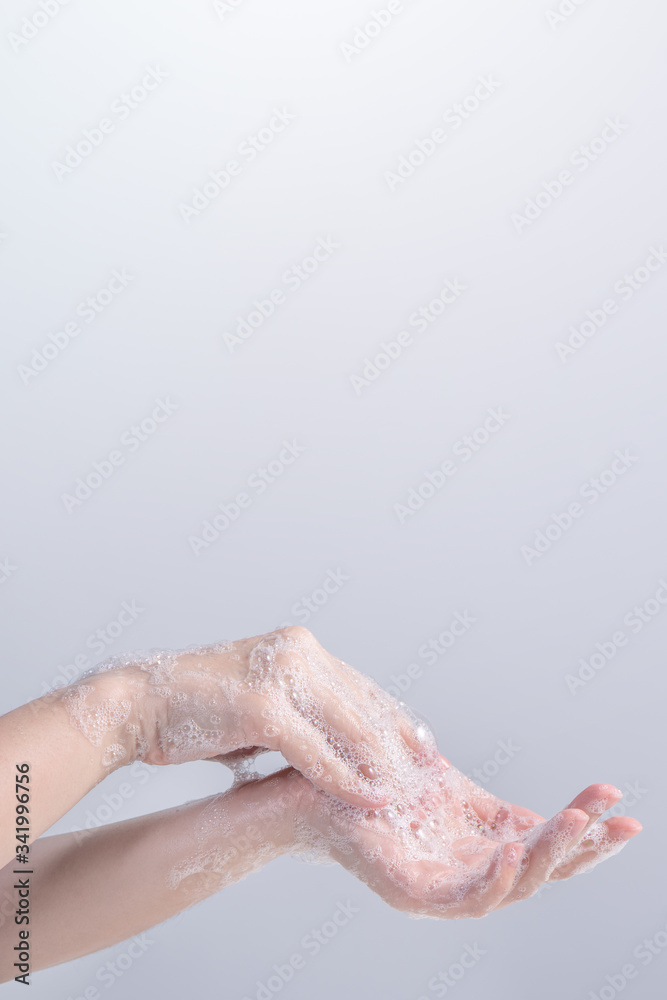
pixel 297 634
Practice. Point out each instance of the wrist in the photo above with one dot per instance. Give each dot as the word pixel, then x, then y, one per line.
pixel 115 713
pixel 234 834
pixel 292 801
pixel 268 812
pixel 186 708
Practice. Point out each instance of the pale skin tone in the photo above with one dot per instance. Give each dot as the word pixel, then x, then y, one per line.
pixel 334 734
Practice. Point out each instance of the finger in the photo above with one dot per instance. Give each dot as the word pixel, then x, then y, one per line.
pixel 348 748
pixel 236 756
pixel 333 713
pixel 331 700
pixel 310 753
pixel 612 837
pixel 389 712
pixel 501 880
pixel 366 689
pixel 502 820
pixel 330 696
pixel 479 895
pixel 546 847
pixel 370 743
pixel 418 738
pixel 594 801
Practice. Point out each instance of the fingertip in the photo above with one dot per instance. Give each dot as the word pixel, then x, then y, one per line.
pixel 613 791
pixel 573 824
pixel 626 828
pixel 609 794
pixel 603 790
pixel 596 799
pixel 578 818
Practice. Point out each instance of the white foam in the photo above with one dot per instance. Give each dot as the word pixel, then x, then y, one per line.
pixel 428 850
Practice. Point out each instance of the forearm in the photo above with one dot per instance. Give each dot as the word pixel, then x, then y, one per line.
pixel 70 740
pixel 90 891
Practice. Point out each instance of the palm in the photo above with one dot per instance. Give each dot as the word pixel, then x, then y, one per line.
pixel 455 850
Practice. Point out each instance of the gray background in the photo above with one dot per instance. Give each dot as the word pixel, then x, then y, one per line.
pixel 334 508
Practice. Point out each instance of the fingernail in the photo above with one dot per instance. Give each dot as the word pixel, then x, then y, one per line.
pixel 609 800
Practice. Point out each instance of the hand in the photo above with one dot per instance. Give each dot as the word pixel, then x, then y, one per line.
pixel 596 842
pixel 280 691
pixel 449 849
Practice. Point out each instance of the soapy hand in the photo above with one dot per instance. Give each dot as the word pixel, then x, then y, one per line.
pixel 447 848
pixel 373 791
pixel 280 691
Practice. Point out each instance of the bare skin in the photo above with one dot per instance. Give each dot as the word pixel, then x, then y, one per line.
pixel 135 712
pixel 93 889
pixel 494 853
pixel 148 869
pixel 347 739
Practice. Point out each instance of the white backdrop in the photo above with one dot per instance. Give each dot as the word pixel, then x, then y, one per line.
pixel 409 342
